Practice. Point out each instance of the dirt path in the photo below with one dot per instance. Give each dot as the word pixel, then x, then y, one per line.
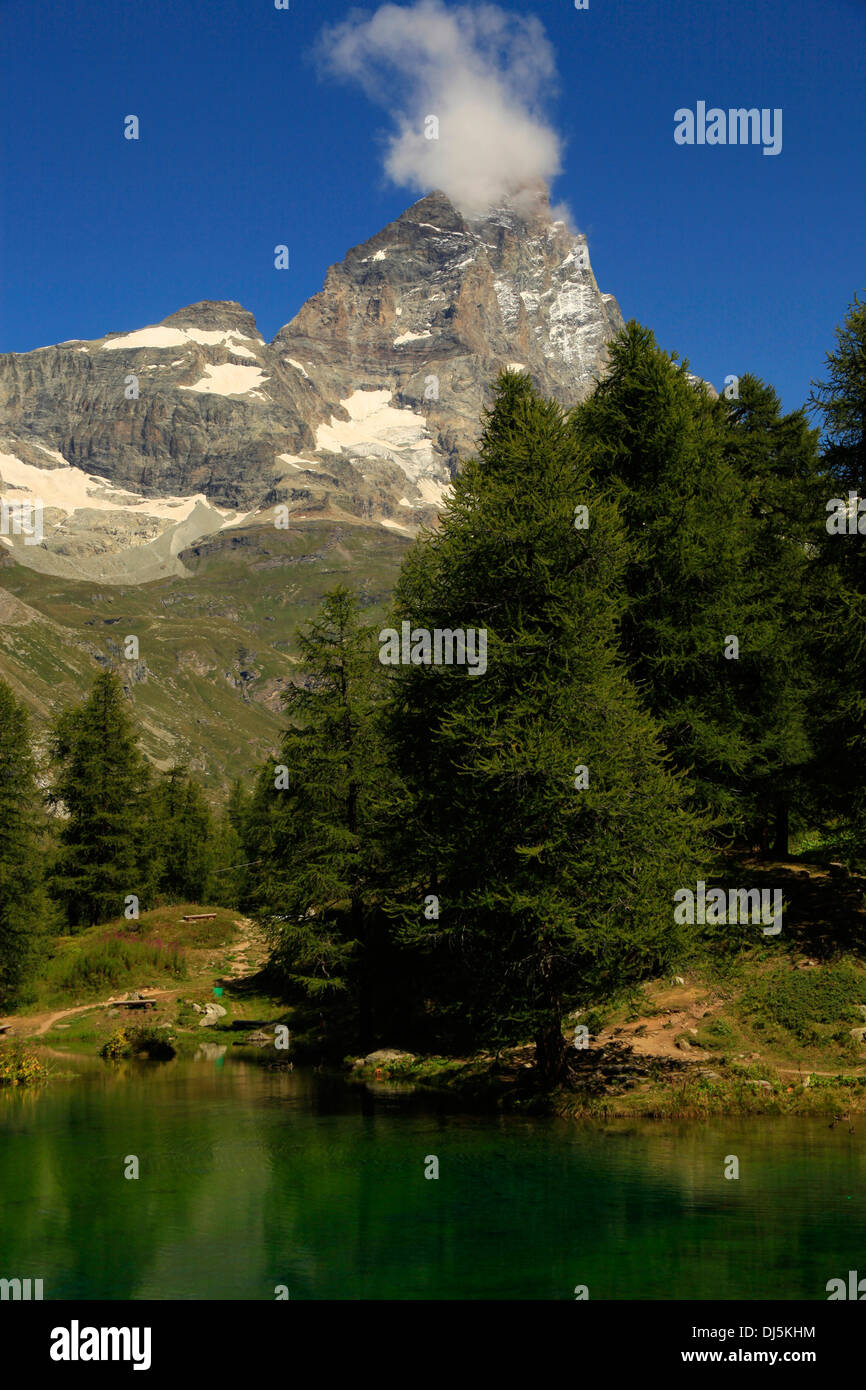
pixel 248 954
pixel 246 957
pixel 35 1025
pixel 680 1010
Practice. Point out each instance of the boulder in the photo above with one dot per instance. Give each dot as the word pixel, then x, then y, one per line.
pixel 211 1014
pixel 387 1054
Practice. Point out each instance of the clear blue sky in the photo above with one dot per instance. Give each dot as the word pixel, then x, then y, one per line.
pixel 740 261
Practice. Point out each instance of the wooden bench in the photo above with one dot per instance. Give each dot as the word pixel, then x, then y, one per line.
pixel 199 917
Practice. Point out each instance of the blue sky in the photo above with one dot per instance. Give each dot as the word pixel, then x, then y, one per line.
pixel 740 261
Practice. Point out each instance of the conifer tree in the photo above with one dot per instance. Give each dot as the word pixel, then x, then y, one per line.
pixel 185 837
pixel 656 442
pixel 24 909
pixel 103 785
pixel 544 824
pixel 230 869
pixel 313 821
pixel 777 460
pixel 839 402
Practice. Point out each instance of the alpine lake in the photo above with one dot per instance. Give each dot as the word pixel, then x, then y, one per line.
pixel 263 1184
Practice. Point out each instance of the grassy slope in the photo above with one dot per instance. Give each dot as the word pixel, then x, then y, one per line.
pixel 238 612
pixel 208 954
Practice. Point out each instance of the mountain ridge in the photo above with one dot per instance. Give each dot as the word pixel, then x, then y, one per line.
pixel 357 411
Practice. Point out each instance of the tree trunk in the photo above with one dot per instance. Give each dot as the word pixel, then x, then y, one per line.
pixel 551 1051
pixel 780 846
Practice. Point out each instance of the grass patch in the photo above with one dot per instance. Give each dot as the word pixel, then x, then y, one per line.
pixel 812 1006
pixel 106 963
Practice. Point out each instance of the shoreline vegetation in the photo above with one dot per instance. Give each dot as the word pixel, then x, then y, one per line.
pixel 615 867
pixel 749 1035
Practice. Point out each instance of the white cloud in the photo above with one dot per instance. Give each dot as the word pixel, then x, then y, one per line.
pixel 482 72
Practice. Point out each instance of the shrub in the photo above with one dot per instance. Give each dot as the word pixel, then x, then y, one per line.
pixel 113 961
pixel 798 999
pixel 20 1068
pixel 131 1042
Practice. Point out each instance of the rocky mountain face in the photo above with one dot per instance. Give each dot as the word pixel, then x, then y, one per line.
pixel 140 444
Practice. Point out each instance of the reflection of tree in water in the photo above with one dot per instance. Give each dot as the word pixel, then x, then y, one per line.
pixel 252 1179
pixel 78 1222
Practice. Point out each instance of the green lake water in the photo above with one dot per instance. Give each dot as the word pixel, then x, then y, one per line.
pixel 251 1179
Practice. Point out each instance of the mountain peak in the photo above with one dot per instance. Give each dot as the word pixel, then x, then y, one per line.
pixel 359 410
pixel 214 315
pixel 527 206
pixel 435 209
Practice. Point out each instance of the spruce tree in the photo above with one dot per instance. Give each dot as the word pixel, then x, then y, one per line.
pixel 24 909
pixel 230 869
pixel 840 401
pixel 545 836
pixel 102 788
pixel 185 837
pixel 313 821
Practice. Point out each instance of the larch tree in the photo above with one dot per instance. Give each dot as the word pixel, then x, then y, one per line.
pixel 542 820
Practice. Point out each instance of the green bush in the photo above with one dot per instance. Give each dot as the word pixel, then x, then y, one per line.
pixel 798 999
pixel 113 961
pixel 131 1042
pixel 20 1068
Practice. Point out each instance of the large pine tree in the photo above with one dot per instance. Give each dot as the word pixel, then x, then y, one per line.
pixel 102 786
pixel 542 816
pixel 24 911
pixel 840 400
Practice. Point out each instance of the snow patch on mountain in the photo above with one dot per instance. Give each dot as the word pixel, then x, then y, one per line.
pixel 162 336
pixel 410 337
pixel 378 430
pixel 227 379
pixel 70 489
